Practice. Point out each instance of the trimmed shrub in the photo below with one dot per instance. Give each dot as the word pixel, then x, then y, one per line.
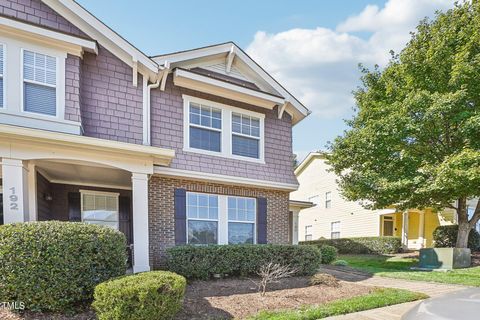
pixel 446 237
pixel 202 262
pixel 52 265
pixel 342 263
pixel 149 295
pixel 329 253
pixel 362 245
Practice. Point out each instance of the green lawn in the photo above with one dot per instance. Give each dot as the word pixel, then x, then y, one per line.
pixel 396 267
pixel 381 297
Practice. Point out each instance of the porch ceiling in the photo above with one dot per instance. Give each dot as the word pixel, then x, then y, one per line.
pixel 81 173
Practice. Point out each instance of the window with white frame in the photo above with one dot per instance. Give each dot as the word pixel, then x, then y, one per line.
pixel 245 136
pixel 202 218
pixel 328 199
pixel 241 220
pixel 205 127
pixel 216 129
pixel 219 219
pixel 2 70
pixel 308 233
pixel 39 83
pixel 335 230
pixel 100 208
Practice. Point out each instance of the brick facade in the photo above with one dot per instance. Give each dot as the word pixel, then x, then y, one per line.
pixel 161 211
pixel 167 132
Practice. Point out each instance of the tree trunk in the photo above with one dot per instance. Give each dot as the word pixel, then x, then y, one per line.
pixel 463 225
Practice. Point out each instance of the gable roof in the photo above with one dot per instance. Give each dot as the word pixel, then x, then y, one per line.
pixel 234 55
pixel 306 162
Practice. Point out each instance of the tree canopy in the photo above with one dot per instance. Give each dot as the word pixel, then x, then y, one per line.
pixel 415 139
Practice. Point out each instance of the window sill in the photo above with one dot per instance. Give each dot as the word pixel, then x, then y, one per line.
pixel 222 155
pixel 31 120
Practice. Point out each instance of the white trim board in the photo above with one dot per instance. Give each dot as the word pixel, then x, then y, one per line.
pixel 223 179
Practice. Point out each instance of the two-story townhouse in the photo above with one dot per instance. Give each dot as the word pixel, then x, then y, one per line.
pixel 189 147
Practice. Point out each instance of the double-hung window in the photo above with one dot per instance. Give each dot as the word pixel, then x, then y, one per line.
pixel 216 129
pixel 2 70
pixel 308 232
pixel 328 199
pixel 219 219
pixel 335 230
pixel 202 218
pixel 205 127
pixel 241 220
pixel 245 136
pixel 39 83
pixel 100 208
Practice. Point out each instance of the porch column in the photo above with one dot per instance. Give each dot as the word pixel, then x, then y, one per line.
pixel 295 226
pixel 32 194
pixel 15 190
pixel 421 229
pixel 141 261
pixel 405 230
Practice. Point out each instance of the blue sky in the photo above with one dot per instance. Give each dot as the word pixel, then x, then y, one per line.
pixel 312 46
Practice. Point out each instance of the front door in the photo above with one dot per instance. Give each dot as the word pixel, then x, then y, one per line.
pixel 388 226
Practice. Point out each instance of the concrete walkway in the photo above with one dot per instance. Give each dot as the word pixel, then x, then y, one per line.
pixel 390 312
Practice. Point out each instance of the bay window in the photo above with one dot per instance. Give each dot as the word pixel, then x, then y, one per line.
pixel 218 219
pixel 100 208
pixel 39 83
pixel 220 130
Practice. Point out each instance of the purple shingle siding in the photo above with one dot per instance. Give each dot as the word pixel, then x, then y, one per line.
pixel 167 132
pixel 35 11
pixel 111 106
pixel 72 88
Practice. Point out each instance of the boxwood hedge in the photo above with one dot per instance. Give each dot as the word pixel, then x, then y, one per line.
pixel 362 245
pixel 50 266
pixel 154 295
pixel 446 237
pixel 202 262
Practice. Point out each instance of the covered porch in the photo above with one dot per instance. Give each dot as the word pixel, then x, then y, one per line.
pixel 415 227
pixel 52 176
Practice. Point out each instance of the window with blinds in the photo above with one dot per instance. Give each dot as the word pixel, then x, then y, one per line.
pixel 100 208
pixel 2 60
pixel 39 83
pixel 245 136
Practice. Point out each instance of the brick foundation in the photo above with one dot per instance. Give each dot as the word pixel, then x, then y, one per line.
pixel 161 212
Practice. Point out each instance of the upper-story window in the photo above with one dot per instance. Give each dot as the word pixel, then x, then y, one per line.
pixel 328 199
pixel 220 130
pixel 39 83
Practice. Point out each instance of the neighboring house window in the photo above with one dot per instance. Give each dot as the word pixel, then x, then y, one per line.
pixel 202 218
pixel 100 208
pixel 39 83
pixel 2 68
pixel 328 199
pixel 241 220
pixel 314 199
pixel 245 135
pixel 335 230
pixel 205 127
pixel 221 130
pixel 308 233
pixel 218 219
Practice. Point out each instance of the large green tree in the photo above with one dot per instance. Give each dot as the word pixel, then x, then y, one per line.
pixel 415 139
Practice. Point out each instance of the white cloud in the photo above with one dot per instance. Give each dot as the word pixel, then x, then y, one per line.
pixel 319 65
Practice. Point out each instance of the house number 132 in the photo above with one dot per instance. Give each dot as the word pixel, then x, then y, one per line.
pixel 13 199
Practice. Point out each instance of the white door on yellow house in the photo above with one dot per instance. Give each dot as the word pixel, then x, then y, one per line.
pixel 388 226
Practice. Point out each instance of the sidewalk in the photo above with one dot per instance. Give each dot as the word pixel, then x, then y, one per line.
pixel 391 312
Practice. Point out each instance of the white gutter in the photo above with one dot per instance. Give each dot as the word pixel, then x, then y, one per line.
pixel 161 80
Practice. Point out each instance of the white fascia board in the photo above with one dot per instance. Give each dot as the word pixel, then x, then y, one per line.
pixel 96 29
pixel 159 155
pixel 27 29
pixel 223 179
pixel 240 93
pixel 194 54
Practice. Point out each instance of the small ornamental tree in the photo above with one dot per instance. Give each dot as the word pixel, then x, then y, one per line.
pixel 415 139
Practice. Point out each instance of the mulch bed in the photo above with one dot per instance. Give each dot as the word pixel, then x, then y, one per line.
pixel 232 298
pixel 238 298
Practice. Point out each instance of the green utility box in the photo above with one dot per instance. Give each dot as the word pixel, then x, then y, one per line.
pixel 445 258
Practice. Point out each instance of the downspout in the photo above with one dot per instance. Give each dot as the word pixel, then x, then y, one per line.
pixel 161 78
